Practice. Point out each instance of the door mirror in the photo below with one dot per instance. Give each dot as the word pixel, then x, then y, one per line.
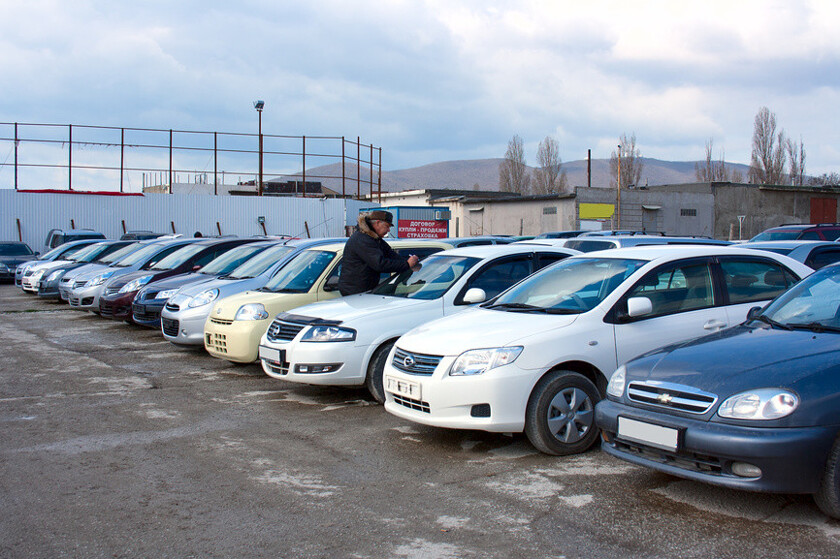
pixel 639 306
pixel 475 295
pixel 332 284
pixel 753 313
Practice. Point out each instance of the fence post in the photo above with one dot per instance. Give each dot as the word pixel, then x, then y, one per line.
pixel 170 169
pixel 303 150
pixel 358 168
pixel 371 174
pixel 379 175
pixel 70 157
pixel 216 163
pixel 343 177
pixel 122 157
pixel 16 164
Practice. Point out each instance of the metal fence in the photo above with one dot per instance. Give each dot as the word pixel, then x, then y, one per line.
pixel 121 159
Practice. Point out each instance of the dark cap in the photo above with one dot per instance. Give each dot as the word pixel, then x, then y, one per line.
pixel 382 215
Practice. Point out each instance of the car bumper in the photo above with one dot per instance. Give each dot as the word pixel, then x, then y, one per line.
pixel 791 459
pixel 461 402
pixel 346 359
pixel 49 289
pixel 117 306
pixel 28 284
pixel 85 298
pixel 236 340
pixel 147 313
pixel 186 326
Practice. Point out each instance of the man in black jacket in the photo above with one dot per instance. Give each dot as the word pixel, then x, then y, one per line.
pixel 366 255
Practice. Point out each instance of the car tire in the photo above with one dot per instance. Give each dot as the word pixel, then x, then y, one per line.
pixel 374 379
pixel 828 495
pixel 560 418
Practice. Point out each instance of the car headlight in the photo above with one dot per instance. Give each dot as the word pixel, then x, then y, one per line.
pixel 615 387
pixel 36 276
pixel 329 333
pixel 166 294
pixel 99 279
pixel 764 403
pixel 477 361
pixel 204 298
pixel 54 276
pixel 135 284
pixel 251 311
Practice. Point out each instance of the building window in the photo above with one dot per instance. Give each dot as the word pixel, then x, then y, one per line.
pixel 550 210
pixel 688 212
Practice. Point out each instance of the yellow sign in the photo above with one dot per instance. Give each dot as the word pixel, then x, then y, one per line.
pixel 596 211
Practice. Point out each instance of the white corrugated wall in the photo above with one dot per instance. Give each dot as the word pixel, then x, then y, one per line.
pixel 236 215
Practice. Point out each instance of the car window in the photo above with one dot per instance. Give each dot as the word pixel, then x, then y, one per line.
pixel 421 252
pixel 262 262
pixel 499 275
pixel 546 258
pixel 431 281
pixel 830 233
pixel 299 275
pixel 229 260
pixel 754 280
pixel 589 246
pixel 476 243
pixel 120 253
pixel 15 250
pixel 676 288
pixel 812 302
pixel 178 257
pixel 813 235
pixel 822 257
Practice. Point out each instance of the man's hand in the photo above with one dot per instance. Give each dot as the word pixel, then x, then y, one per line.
pixel 414 262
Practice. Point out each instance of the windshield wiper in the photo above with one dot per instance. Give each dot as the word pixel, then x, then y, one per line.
pixel 815 327
pixel 514 306
pixel 773 323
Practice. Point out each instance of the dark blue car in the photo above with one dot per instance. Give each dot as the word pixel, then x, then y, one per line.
pixel 754 407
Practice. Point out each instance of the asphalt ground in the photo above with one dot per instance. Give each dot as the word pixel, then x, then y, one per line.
pixel 116 443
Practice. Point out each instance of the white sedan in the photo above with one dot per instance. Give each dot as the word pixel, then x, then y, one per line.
pixel 346 341
pixel 537 358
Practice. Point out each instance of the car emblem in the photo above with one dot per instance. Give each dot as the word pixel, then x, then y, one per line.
pixel 408 362
pixel 665 398
pixel 219 310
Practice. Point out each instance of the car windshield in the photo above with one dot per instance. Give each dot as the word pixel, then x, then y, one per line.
pixel 178 257
pixel 89 253
pixel 120 253
pixel 53 253
pixel 15 249
pixel 778 235
pixel 434 278
pixel 141 255
pixel 260 263
pixel 573 286
pixel 228 261
pixel 299 275
pixel 813 303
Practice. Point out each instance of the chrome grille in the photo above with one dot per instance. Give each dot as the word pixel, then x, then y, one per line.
pixel 281 331
pixel 671 396
pixel 79 283
pixel 415 363
pixel 112 290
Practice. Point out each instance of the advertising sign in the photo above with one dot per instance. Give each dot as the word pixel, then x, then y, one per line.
pixel 422 229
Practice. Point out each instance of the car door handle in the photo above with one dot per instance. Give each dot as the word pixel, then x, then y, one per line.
pixel 714 325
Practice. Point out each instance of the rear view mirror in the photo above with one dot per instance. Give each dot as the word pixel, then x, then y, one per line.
pixel 475 295
pixel 639 306
pixel 332 284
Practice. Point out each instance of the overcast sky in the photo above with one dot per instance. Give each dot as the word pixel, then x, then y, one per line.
pixel 436 80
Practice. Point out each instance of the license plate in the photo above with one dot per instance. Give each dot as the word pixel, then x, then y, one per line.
pixel 656 436
pixel 271 354
pixel 403 387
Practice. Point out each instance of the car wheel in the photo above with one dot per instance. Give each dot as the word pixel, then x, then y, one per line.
pixel 828 495
pixel 560 418
pixel 373 380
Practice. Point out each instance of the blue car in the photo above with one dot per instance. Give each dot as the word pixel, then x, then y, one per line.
pixel 754 407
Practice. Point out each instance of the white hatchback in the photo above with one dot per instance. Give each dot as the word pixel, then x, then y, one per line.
pixel 346 341
pixel 537 358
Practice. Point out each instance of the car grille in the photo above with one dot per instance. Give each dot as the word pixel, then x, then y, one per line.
pixel 172 307
pixel 169 326
pixel 686 461
pixel 64 280
pixel 222 321
pixel 415 363
pixel 277 368
pixel 671 396
pixel 112 290
pixel 141 312
pixel 28 273
pixel 216 342
pixel 412 404
pixel 79 283
pixel 281 331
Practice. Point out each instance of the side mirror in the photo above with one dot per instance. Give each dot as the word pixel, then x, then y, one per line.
pixel 332 284
pixel 639 306
pixel 474 295
pixel 194 268
pixel 753 313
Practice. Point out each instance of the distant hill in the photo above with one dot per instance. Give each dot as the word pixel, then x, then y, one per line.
pixel 466 174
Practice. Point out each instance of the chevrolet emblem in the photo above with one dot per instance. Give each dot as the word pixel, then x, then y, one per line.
pixel 664 398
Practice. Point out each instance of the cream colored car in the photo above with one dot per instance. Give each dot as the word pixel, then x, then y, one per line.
pixel 235 324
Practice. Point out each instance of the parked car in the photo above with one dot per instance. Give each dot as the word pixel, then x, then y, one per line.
pixel 559 234
pixel 800 231
pixel 58 237
pixel 118 296
pixel 456 242
pixel 755 407
pixel 815 254
pixel 589 244
pixel 236 323
pixel 140 235
pixel 183 316
pixel 346 341
pixel 50 276
pixel 619 232
pixel 24 271
pixel 150 300
pixel 68 280
pixel 12 254
pixel 88 288
pixel 537 357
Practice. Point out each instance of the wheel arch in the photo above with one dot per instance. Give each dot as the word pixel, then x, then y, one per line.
pixel 588 370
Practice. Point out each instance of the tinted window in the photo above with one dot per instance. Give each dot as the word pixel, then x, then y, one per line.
pixel 674 289
pixel 747 281
pixel 498 276
pixel 231 259
pixel 14 249
pixel 589 246
pixel 830 233
pixel 810 236
pixel 178 257
pixel 546 258
pixel 420 252
pixel 823 257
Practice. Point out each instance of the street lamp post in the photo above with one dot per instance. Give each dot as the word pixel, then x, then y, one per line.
pixel 259 104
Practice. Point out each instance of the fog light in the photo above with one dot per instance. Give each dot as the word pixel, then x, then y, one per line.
pixel 742 469
pixel 313 369
pixel 480 410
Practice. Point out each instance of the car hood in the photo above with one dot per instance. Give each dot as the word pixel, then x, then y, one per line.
pixel 130 276
pixel 274 303
pixel 478 327
pixel 743 358
pixel 86 271
pixel 176 282
pixel 362 307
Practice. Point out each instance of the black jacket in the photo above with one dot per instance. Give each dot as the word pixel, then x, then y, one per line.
pixel 366 256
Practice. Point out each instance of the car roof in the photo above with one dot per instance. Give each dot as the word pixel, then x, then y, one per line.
pixel 490 251
pixel 786 244
pixel 657 252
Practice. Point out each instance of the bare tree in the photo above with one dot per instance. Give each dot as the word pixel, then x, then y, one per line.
pixel 549 178
pixel 712 171
pixel 796 154
pixel 513 172
pixel 767 163
pixel 631 163
pixel 826 179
